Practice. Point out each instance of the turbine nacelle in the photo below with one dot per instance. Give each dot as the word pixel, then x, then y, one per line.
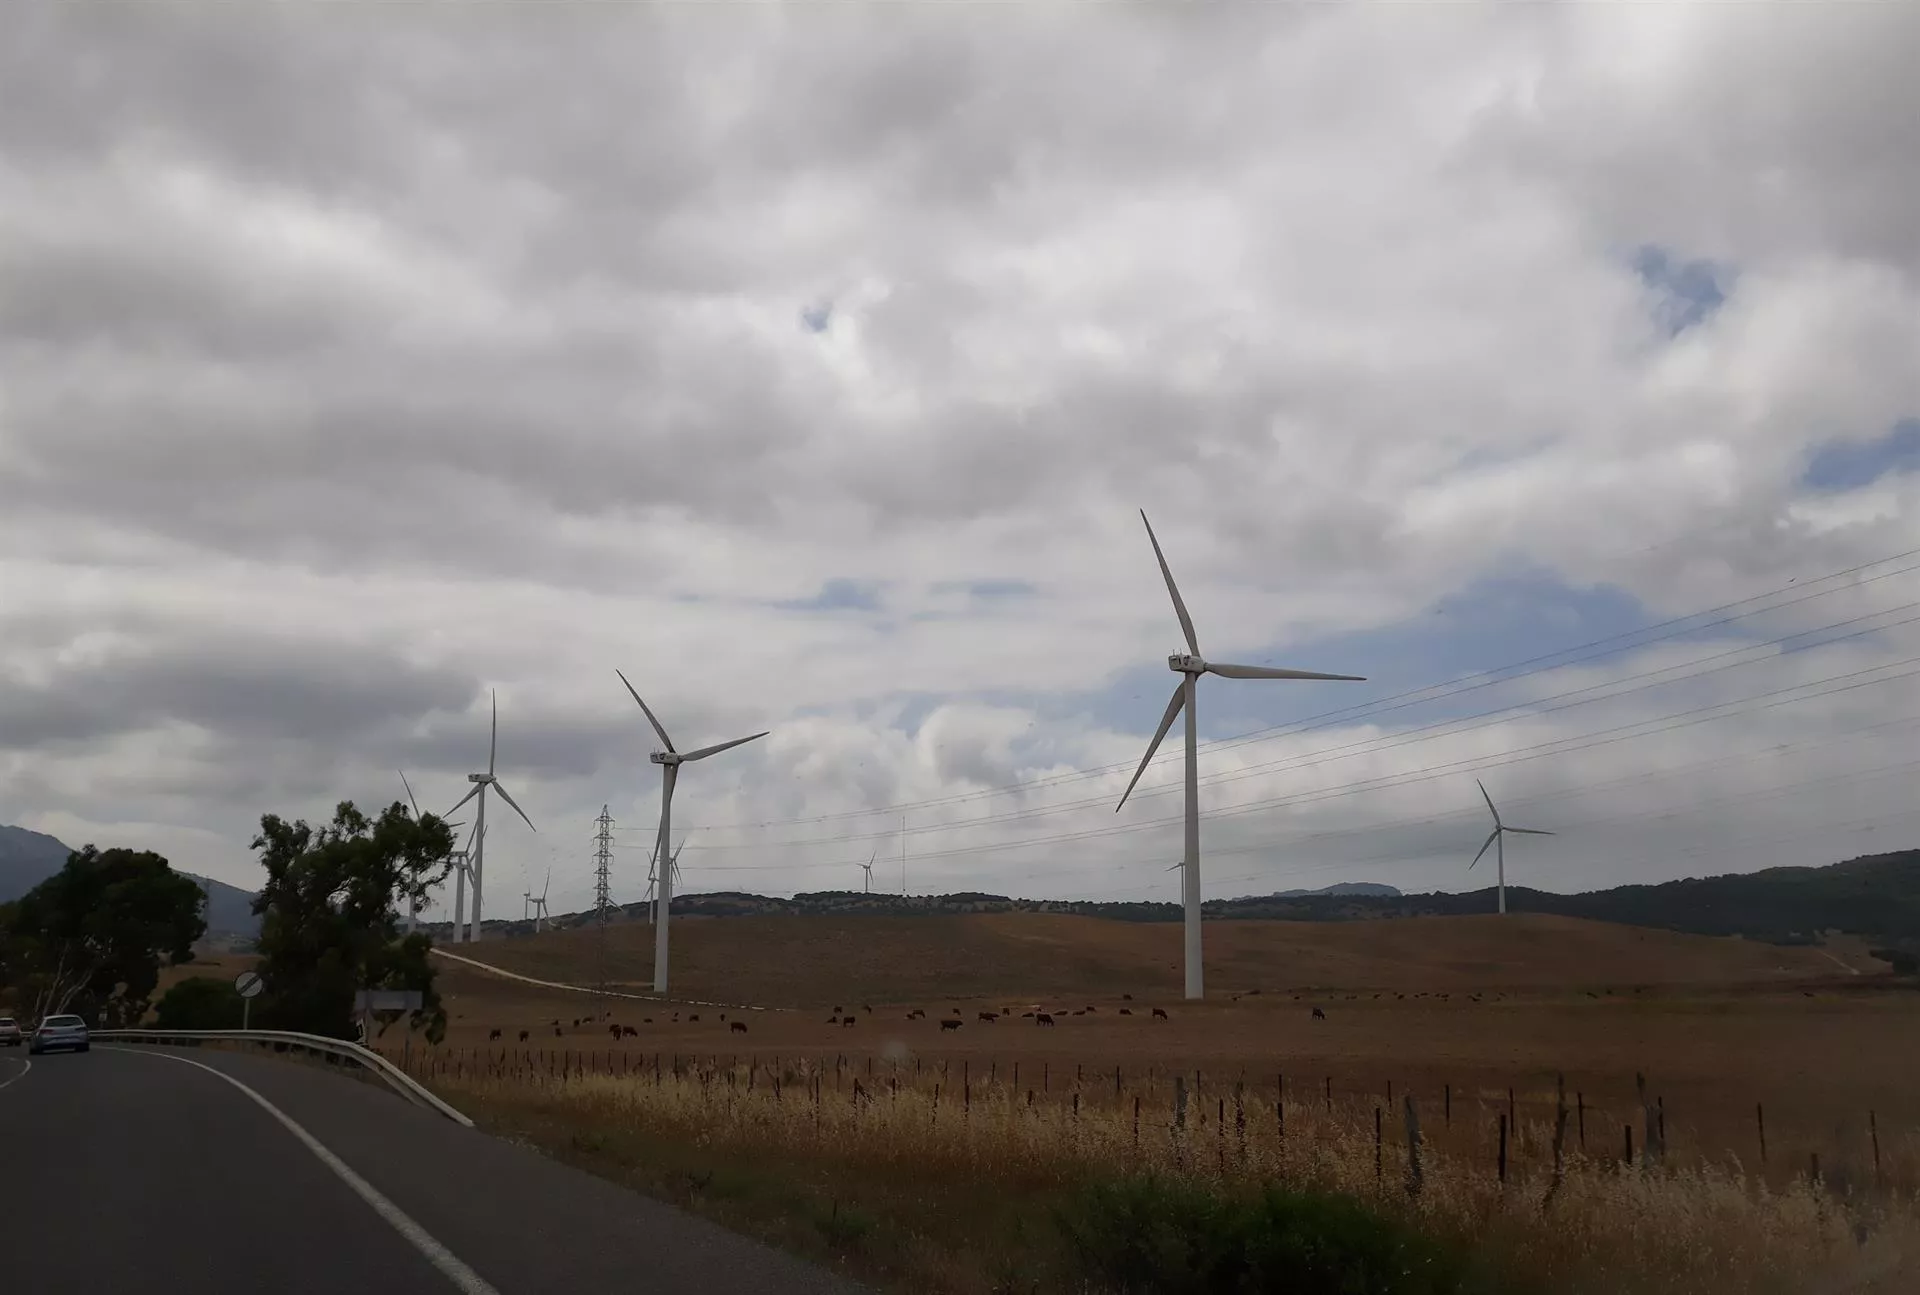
pixel 665 757
pixel 1186 663
pixel 479 777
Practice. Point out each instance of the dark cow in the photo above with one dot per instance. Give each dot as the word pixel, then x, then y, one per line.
pixel 988 1017
pixel 492 1035
pixel 1126 1011
pixel 523 1036
pixel 738 1027
pixel 694 1017
pixel 628 1032
pixel 951 1025
pixel 1160 1014
pixel 917 1014
pixel 867 1008
pixel 833 1020
pixel 1319 1015
pixel 1128 997
pixel 836 1011
pixel 614 1030
pixel 558 1032
pixel 1042 1019
pixel 847 1020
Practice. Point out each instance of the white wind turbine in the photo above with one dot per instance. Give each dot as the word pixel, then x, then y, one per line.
pixel 867 868
pixel 1190 665
pixel 1497 839
pixel 653 864
pixel 538 903
pixel 459 857
pixel 482 781
pixel 670 761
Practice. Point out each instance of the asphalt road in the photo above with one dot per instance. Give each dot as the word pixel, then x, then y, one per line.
pixel 133 1171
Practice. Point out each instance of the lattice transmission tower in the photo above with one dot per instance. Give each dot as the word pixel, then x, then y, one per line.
pixel 602 898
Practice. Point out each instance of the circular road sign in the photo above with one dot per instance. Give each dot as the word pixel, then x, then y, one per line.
pixel 249 984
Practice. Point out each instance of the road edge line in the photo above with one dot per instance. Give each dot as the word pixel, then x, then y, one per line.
pixel 26 1065
pixel 449 1264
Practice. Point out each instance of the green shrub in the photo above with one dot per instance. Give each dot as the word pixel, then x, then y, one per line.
pixel 1152 1236
pixel 199 1003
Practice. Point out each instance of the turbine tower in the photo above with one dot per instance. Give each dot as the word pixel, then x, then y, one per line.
pixel 670 761
pixel 1497 839
pixel 482 781
pixel 1190 665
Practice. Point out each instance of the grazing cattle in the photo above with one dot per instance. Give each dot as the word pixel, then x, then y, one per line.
pixel 1128 997
pixel 558 1032
pixel 917 1014
pixel 1026 1016
pixel 847 1020
pixel 492 1035
pixel 576 1022
pixel 950 1025
pixel 988 1017
pixel 646 1020
pixel 1319 1015
pixel 1092 1010
pixel 1042 1019
pixel 738 1027
pixel 867 1008
pixel 1126 1011
pixel 523 1036
pixel 614 1030
pixel 833 1020
pixel 628 1032
pixel 723 1016
pixel 694 1017
pixel 836 1011
pixel 1160 1013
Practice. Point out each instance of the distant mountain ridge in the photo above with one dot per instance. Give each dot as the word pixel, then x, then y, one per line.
pixel 28 858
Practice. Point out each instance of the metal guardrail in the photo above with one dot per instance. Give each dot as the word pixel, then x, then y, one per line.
pixel 290 1041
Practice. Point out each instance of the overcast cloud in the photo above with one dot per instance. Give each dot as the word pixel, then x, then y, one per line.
pixel 810 363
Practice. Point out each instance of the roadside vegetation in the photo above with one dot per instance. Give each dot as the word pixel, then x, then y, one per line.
pixel 919 1187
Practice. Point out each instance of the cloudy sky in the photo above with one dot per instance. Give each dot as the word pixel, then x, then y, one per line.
pixel 810 364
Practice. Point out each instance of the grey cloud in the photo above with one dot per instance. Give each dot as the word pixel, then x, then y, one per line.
pixel 238 687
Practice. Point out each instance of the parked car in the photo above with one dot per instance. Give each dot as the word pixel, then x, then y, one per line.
pixel 60 1032
pixel 9 1032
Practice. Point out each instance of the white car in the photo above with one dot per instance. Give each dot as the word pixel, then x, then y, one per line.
pixel 9 1032
pixel 57 1032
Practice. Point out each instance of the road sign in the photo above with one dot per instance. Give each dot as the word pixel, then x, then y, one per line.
pixel 387 1000
pixel 249 984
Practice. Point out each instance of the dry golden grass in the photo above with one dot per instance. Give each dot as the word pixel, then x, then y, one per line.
pixel 1697 1226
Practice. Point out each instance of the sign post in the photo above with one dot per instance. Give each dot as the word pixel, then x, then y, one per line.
pixel 249 985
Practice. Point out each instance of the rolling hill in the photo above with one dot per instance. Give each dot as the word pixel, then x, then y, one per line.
pixel 828 960
pixel 28 858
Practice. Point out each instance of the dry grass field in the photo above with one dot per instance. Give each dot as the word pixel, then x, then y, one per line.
pixel 1471 1017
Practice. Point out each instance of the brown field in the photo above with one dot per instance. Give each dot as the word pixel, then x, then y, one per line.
pixel 1717 1026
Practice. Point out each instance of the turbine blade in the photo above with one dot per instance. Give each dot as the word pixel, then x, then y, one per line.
pixel 410 799
pixel 1271 672
pixel 1485 845
pixel 471 793
pixel 493 743
pixel 1166 722
pixel 664 739
pixel 1483 795
pixel 1530 831
pixel 470 836
pixel 716 749
pixel 1179 605
pixel 516 808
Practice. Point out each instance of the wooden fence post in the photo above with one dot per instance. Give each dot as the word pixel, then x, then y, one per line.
pixel 1873 1132
pixel 1377 1157
pixel 1503 1148
pixel 1414 1178
pixel 1760 1122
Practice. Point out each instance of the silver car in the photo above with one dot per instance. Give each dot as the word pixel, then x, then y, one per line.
pixel 9 1032
pixel 60 1032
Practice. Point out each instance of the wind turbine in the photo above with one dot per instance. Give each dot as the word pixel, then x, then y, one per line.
pixel 413 904
pixel 867 868
pixel 1497 839
pixel 1190 665
pixel 482 781
pixel 670 761
pixel 539 903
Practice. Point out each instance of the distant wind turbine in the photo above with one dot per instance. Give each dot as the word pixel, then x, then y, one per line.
pixel 460 866
pixel 867 868
pixel 539 903
pixel 1190 665
pixel 1497 839
pixel 482 781
pixel 670 761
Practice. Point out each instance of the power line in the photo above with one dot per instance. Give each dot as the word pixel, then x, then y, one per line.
pixel 1451 727
pixel 1726 613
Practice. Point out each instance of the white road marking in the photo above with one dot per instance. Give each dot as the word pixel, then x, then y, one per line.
pixel 26 1064
pixel 438 1255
